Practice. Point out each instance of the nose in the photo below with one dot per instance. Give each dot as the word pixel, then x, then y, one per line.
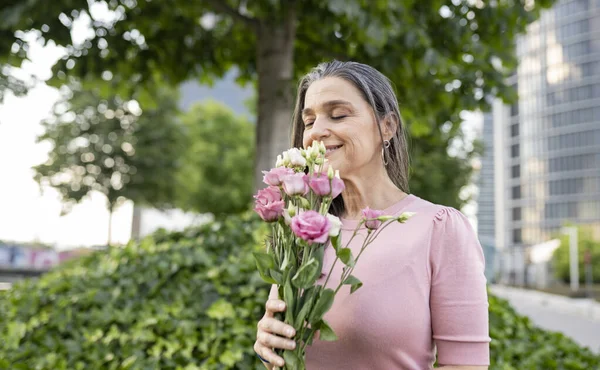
pixel 319 130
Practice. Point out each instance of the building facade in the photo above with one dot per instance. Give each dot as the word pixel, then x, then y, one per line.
pixel 547 146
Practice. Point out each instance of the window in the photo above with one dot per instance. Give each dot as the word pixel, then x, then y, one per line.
pixel 514 150
pixel 514 129
pixel 516 214
pixel 514 110
pixel 516 192
pixel 517 236
pixel 516 171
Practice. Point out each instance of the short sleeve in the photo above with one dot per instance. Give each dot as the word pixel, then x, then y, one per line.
pixel 458 296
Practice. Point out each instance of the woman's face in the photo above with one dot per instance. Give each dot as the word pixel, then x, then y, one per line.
pixel 336 113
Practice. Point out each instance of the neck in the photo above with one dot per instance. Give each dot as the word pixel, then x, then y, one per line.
pixel 375 190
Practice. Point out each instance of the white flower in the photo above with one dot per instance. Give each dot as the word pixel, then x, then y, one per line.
pixel 336 225
pixel 279 162
pixel 295 157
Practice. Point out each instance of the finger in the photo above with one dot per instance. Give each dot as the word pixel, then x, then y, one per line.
pixel 272 341
pixel 274 326
pixel 274 305
pixel 269 355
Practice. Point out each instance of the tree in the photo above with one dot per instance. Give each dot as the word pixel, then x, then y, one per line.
pixel 444 57
pixel 586 242
pixel 217 173
pixel 111 146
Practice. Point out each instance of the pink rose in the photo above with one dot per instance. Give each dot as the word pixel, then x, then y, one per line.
pixel 295 184
pixel 276 175
pixel 269 204
pixel 311 226
pixel 323 186
pixel 370 215
pixel 337 186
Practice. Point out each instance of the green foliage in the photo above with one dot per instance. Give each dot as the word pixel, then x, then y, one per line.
pixel 518 345
pixel 440 64
pixel 110 145
pixel 185 300
pixel 191 300
pixel 560 258
pixel 217 173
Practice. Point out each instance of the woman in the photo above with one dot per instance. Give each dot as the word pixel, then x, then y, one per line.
pixel 424 288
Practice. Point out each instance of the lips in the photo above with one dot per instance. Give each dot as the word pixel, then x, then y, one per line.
pixel 332 148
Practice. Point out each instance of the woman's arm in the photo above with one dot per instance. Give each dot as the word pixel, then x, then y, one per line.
pixel 458 296
pixel 455 367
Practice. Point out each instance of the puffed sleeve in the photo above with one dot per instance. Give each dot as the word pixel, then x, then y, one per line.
pixel 458 297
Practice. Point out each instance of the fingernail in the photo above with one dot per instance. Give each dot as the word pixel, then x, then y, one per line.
pixel 281 306
pixel 292 344
pixel 280 363
pixel 290 332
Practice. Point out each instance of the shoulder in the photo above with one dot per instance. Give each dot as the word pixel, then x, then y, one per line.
pixel 439 218
pixel 450 233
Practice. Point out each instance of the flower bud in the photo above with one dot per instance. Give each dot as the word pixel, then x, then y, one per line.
pixel 304 203
pixel 405 216
pixel 322 148
pixel 330 172
pixel 291 209
pixel 279 162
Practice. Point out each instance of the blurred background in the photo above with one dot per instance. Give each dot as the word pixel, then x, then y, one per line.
pixel 127 125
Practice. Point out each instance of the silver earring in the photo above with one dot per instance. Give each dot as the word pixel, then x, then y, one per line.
pixel 386 144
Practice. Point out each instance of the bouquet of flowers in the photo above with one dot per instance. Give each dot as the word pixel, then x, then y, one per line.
pixel 296 203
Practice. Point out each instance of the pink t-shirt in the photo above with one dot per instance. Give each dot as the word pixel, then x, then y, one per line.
pixel 424 288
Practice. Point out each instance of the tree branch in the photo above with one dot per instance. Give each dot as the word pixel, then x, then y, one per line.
pixel 220 6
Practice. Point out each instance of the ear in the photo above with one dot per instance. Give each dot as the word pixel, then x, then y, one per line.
pixel 389 126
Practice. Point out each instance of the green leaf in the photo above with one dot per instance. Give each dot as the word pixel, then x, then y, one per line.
pixel 336 242
pixel 307 275
pixel 220 310
pixel 290 301
pixel 276 275
pixel 326 333
pixel 353 282
pixel 345 255
pixel 323 305
pixel 307 302
pixel 293 361
pixel 265 262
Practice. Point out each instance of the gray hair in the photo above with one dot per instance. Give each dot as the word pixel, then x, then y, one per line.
pixel 378 92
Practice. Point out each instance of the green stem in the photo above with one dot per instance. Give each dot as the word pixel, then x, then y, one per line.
pixel 368 240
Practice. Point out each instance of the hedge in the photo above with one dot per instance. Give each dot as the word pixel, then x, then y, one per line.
pixel 191 300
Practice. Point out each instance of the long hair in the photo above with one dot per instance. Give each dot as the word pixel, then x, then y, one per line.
pixel 377 90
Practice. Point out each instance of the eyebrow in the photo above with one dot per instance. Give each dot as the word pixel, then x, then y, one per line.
pixel 328 105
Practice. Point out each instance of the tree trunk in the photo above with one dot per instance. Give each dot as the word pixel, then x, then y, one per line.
pixel 275 64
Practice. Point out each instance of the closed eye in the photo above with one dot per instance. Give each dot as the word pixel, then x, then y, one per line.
pixel 337 118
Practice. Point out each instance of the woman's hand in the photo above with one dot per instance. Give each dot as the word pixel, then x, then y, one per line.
pixel 273 333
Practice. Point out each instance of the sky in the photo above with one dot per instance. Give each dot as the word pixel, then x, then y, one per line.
pixel 28 213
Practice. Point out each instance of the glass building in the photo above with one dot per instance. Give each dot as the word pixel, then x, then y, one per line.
pixel 548 144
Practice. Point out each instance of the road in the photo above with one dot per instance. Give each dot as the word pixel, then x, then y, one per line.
pixel 556 314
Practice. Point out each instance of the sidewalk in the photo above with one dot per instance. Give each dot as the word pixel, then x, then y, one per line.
pixel 576 318
pixel 581 307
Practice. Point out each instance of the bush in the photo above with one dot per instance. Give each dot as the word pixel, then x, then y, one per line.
pixel 560 258
pixel 191 300
pixel 187 300
pixel 517 344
